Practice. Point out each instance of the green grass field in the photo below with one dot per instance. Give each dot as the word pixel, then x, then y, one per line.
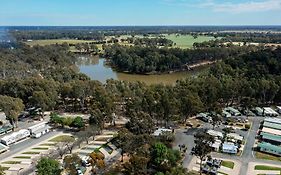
pixel 260 155
pixel 187 41
pixel 264 167
pixel 63 138
pixel 228 164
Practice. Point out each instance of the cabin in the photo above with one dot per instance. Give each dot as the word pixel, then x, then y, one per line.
pixel 232 111
pixel 39 129
pixel 269 148
pixel 235 137
pixel 273 120
pixel 270 138
pixel 215 133
pixel 278 109
pixel 229 148
pixel 160 131
pixel 258 111
pixel 15 137
pixel 269 112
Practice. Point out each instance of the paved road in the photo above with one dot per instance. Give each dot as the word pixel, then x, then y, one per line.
pixel 26 144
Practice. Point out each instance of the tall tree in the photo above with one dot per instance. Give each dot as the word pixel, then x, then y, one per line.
pixel 202 148
pixel 48 166
pixel 12 108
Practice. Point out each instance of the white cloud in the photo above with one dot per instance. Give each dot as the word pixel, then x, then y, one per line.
pixel 244 7
pixel 231 7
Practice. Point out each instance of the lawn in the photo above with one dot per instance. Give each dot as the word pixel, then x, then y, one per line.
pixel 22 157
pixel 30 152
pixel 260 155
pixel 186 41
pixel 48 144
pixel 228 164
pixel 11 162
pixel 63 138
pixel 264 167
pixel 40 148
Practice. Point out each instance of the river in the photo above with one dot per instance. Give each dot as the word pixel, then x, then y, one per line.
pixel 96 69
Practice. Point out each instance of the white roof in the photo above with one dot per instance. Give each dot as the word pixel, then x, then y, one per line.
pixel 15 134
pixel 271 131
pixel 160 131
pixel 235 136
pixel 228 146
pixel 37 125
pixel 269 110
pixel 215 133
pixel 273 120
pixel 278 107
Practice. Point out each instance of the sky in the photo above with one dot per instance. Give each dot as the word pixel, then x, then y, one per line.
pixel 139 12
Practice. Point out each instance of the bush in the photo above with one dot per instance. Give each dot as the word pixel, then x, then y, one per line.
pixel 247 126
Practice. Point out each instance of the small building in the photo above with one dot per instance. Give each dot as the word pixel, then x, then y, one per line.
pixel 270 138
pixel 272 125
pixel 271 131
pixel 3 148
pixel 269 112
pixel 39 129
pixel 161 131
pixel 258 111
pixel 232 111
pixel 235 136
pixel 229 147
pixel 226 114
pixel 215 133
pixel 273 120
pixel 6 129
pixel 269 148
pixel 15 137
pixel 204 117
pixel 216 145
pixel 278 109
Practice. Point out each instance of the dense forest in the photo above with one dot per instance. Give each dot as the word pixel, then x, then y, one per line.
pixel 258 37
pixel 54 61
pixel 140 59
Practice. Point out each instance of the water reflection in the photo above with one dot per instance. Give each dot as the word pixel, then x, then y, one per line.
pixel 96 69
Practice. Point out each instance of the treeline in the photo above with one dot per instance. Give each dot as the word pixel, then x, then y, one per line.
pixel 139 59
pixel 54 61
pixel 252 37
pixel 160 42
pixel 23 35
